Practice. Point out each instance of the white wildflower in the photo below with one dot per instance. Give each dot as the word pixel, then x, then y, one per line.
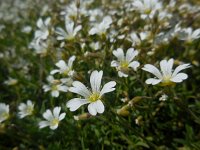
pixel 94 97
pixel 147 7
pixel 65 69
pixel 11 81
pixel 43 31
pixel 55 86
pixel 25 109
pixel 167 76
pixel 164 97
pixel 137 39
pixel 125 62
pixel 101 28
pixel 4 112
pixel 189 35
pixel 53 118
pixel 70 32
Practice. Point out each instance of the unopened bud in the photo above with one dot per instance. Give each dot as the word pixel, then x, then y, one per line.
pixel 82 116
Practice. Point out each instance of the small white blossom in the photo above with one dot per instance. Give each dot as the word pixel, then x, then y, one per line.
pixel 53 118
pixel 125 62
pixel 11 81
pixel 189 35
pixel 26 29
pixel 55 86
pixel 70 32
pixel 39 48
pixel 137 39
pixel 95 46
pixel 71 10
pixel 101 28
pixel 94 97
pixel 164 97
pixel 4 112
pixel 167 76
pixel 65 69
pixel 43 31
pixel 25 109
pixel 147 7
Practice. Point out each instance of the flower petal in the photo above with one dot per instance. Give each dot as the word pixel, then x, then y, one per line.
pixel 179 68
pixel 63 88
pixel 153 81
pixel 152 69
pixel 62 116
pixel 119 54
pixel 196 34
pixel 134 65
pixel 71 60
pixel 108 87
pixel 55 93
pixel 80 88
pixel 121 74
pixel 54 71
pixel 179 77
pixel 78 28
pixel 54 126
pixel 43 124
pixel 75 103
pixel 92 109
pixel 48 115
pixel 130 54
pixel 93 31
pixel 61 64
pixel 99 106
pixel 56 112
pixel 95 80
pixel 114 63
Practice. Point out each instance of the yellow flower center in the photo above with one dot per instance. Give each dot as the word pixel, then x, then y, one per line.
pixel 56 81
pixel 166 81
pixel 124 66
pixel 54 122
pixel 147 11
pixel 94 97
pixel 4 115
pixel 29 110
pixel 54 88
pixel 66 72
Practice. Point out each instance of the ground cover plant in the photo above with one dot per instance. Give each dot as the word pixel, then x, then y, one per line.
pixel 104 74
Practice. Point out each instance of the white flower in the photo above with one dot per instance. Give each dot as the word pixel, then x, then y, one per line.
pixel 65 69
pixel 11 81
pixel 39 48
pixel 53 118
pixel 189 35
pixel 4 112
pixel 92 97
pixel 95 45
pixel 43 31
pixel 147 7
pixel 71 10
pixel 25 109
pixel 101 28
pixel 136 40
pixel 26 29
pixel 125 61
pixel 164 97
pixel 55 86
pixel 70 32
pixel 167 76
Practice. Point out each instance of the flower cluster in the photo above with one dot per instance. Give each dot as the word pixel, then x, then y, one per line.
pixel 123 63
